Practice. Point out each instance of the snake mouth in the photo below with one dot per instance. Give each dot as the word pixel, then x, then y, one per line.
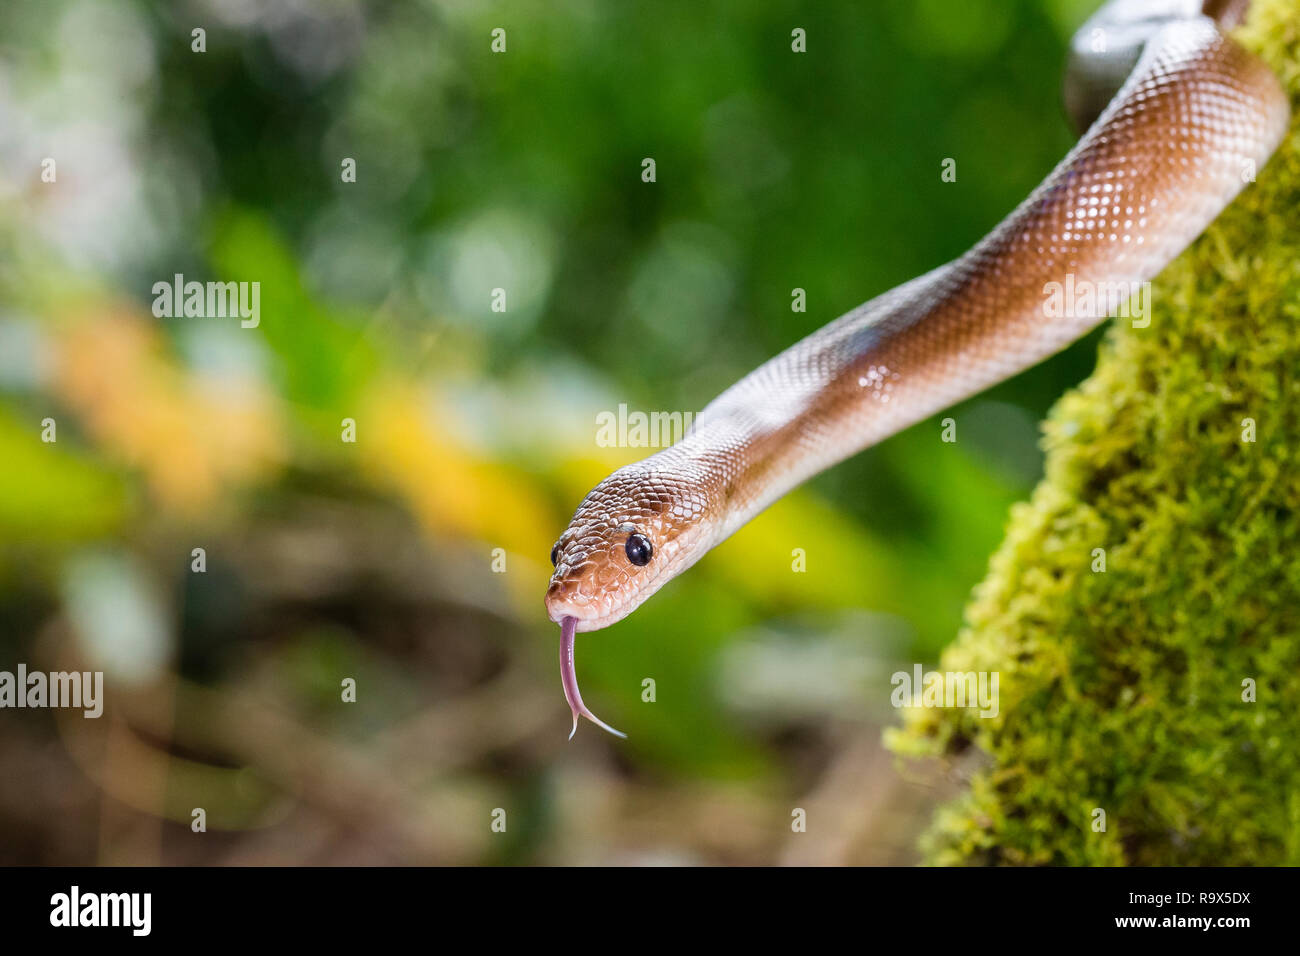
pixel 562 603
pixel 569 679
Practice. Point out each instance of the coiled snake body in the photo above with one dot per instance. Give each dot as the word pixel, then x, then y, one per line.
pixel 1181 117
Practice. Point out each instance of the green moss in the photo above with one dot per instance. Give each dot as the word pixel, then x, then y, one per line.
pixel 1123 690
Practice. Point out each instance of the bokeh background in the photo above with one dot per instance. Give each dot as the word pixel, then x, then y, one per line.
pixel 476 430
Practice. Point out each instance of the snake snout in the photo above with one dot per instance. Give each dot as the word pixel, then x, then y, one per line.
pixel 555 600
pixel 566 597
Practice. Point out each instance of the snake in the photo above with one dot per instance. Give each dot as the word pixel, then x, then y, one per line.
pixel 1176 117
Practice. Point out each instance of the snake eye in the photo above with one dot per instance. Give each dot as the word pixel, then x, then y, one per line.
pixel 555 554
pixel 639 549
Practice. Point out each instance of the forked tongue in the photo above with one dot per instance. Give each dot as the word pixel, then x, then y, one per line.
pixel 569 678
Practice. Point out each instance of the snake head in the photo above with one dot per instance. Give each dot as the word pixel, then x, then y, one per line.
pixel 632 534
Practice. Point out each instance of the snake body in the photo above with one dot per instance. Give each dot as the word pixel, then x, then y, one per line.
pixel 1181 117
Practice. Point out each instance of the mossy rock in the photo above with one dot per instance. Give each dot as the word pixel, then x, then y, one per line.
pixel 1124 690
